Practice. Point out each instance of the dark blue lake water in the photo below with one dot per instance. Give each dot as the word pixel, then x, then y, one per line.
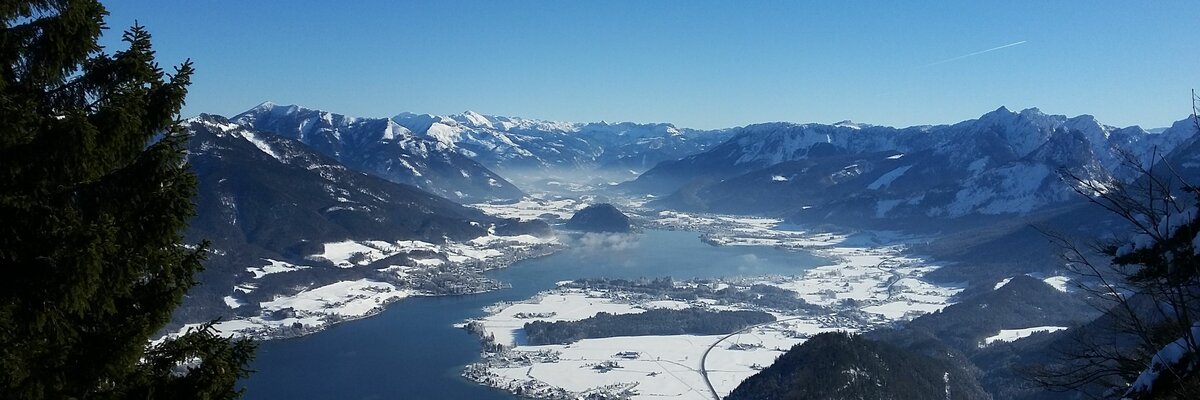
pixel 413 351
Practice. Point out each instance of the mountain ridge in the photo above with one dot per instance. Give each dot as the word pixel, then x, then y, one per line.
pixel 1003 163
pixel 381 147
pixel 516 144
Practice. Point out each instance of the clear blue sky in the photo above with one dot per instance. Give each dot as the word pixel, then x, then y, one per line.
pixel 702 64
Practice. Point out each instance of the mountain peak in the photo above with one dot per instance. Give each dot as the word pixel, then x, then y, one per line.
pixel 217 124
pixel 998 115
pixel 206 117
pixel 270 107
pixel 276 108
pixel 477 119
pixel 848 124
pixel 1031 111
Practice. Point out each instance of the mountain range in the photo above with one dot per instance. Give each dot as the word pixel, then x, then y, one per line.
pixel 383 148
pixel 1002 163
pixel 454 156
pixel 519 145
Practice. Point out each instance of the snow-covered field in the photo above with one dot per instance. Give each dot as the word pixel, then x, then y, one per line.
pixel 274 267
pixel 561 305
pixel 312 309
pixel 1059 282
pixel 347 254
pixel 869 269
pixel 1009 335
pixel 534 208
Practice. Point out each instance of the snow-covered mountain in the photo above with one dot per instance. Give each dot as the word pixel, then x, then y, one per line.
pixel 518 145
pixel 272 192
pixel 381 147
pixel 1004 162
pixel 1184 159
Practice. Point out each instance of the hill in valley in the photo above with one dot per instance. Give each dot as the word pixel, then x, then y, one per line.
pixel 601 217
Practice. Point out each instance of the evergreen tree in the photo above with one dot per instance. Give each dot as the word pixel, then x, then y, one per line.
pixel 94 195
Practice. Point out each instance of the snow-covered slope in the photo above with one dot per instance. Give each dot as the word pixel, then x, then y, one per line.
pixel 382 147
pixel 271 192
pixel 1004 162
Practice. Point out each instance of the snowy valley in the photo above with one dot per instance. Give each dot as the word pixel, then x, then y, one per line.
pixel 849 195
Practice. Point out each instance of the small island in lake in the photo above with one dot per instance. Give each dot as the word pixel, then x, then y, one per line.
pixel 602 217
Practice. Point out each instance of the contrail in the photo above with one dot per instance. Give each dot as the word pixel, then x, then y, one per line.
pixel 973 54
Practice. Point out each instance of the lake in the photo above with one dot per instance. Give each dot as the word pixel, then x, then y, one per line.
pixel 413 351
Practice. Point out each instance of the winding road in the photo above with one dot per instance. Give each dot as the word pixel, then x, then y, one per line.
pixel 704 358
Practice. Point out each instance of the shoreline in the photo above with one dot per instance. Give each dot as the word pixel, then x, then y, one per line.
pixel 351 300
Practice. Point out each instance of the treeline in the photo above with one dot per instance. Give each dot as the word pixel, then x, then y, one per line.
pixel 692 321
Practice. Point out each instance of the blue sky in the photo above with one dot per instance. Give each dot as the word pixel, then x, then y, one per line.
pixel 701 64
